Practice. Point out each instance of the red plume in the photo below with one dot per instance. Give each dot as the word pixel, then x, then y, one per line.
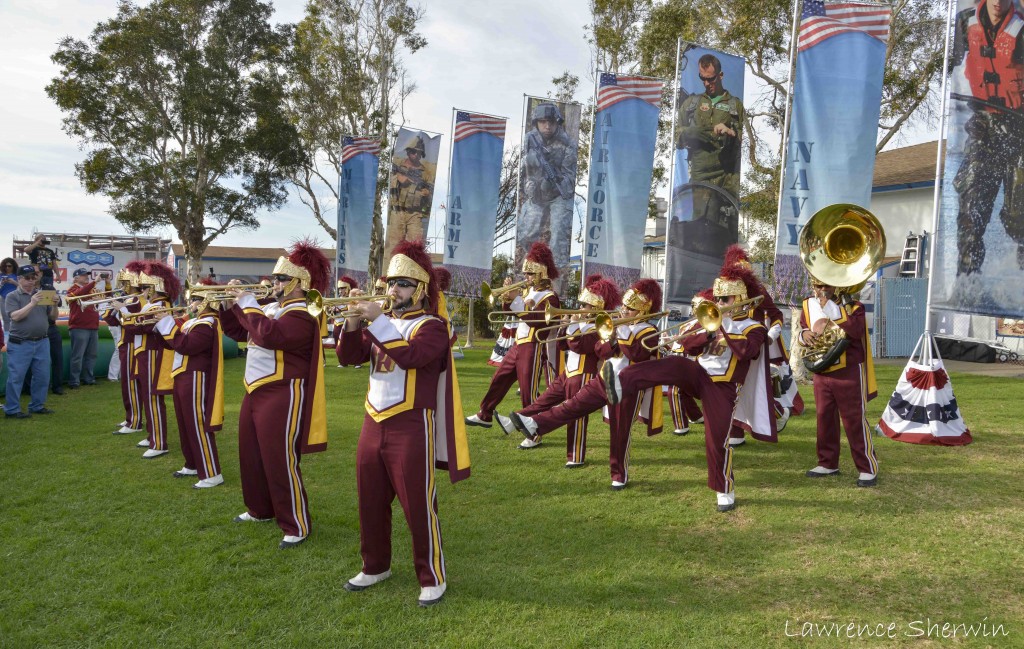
pixel 541 254
pixel 735 254
pixel 608 291
pixel 207 281
pixel 172 285
pixel 442 277
pixel 306 253
pixel 417 251
pixel 348 280
pixel 592 278
pixel 136 266
pixel 708 294
pixel 649 289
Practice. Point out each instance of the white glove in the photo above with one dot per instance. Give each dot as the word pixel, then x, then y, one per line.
pixel 775 332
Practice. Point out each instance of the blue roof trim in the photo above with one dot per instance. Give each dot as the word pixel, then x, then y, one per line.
pixel 921 184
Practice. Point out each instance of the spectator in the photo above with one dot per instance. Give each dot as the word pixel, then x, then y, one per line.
pixel 84 324
pixel 44 259
pixel 8 284
pixel 56 348
pixel 27 345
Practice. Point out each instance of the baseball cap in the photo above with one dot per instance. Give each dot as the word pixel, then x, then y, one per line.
pixel 27 270
pixel 80 272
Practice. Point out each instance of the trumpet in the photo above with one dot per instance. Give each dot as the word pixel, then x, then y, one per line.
pixel 93 298
pixel 152 316
pixel 606 324
pixel 490 294
pixel 104 303
pixel 708 314
pixel 220 292
pixel 317 303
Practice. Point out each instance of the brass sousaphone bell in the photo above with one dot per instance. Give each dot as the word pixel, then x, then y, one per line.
pixel 842 245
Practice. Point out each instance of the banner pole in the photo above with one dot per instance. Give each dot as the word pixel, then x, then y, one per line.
pixel 469 325
pixel 593 138
pixel 937 200
pixel 789 111
pixel 676 84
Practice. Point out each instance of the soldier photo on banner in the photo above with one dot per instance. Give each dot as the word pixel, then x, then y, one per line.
pixel 411 187
pixel 708 139
pixel 547 183
pixel 979 253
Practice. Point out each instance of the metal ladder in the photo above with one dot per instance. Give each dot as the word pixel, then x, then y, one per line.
pixel 910 264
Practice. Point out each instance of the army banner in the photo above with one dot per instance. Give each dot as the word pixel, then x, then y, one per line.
pixel 357 194
pixel 410 187
pixel 547 177
pixel 621 165
pixel 979 247
pixel 708 135
pixel 833 124
pixel 477 146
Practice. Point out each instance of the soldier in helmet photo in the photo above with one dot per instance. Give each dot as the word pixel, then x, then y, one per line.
pixel 411 193
pixel 549 181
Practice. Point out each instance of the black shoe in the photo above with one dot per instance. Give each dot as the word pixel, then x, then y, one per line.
pixel 72 387
pixel 90 383
pixel 17 415
pixel 58 391
pixel 44 411
pixel 517 421
pixel 867 483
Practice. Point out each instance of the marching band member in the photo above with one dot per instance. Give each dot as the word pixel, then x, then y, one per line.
pixel 150 365
pixel 842 390
pixel 128 280
pixel 624 350
pixel 581 363
pixel 523 364
pixel 725 360
pixel 412 422
pixel 283 412
pixel 198 389
pixel 683 407
pixel 443 279
pixel 510 301
pixel 347 287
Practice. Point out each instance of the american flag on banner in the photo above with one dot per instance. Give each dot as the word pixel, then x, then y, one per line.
pixel 614 88
pixel 822 20
pixel 353 145
pixel 467 124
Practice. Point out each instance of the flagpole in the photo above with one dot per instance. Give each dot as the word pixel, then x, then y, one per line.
pixel 789 110
pixel 937 201
pixel 676 83
pixel 593 136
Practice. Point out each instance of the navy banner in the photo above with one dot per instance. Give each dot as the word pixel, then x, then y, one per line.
pixel 477 147
pixel 621 165
pixel 357 191
pixel 837 96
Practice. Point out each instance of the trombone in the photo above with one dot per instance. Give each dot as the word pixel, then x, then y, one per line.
pixel 104 303
pixel 550 313
pixel 94 298
pixel 710 317
pixel 606 324
pixel 317 303
pixel 152 316
pixel 220 292
pixel 489 294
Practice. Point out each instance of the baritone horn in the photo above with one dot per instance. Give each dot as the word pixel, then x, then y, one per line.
pixel 490 294
pixel 606 324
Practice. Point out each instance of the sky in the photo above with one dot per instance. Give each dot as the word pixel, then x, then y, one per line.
pixel 524 43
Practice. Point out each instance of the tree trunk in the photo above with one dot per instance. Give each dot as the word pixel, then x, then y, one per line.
pixel 194 251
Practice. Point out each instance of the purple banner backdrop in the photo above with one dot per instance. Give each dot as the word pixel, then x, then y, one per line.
pixel 547 180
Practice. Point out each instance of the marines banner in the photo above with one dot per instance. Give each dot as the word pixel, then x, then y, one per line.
pixel 621 165
pixel 830 153
pixel 708 136
pixel 979 247
pixel 357 195
pixel 547 177
pixel 410 187
pixel 477 146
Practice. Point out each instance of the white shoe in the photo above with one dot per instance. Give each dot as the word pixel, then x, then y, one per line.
pixel 526 425
pixel 504 423
pixel 573 465
pixel 726 501
pixel 127 430
pixel 529 443
pixel 212 481
pixel 290 541
pixel 698 420
pixel 431 595
pixel 618 486
pixel 123 423
pixel 152 453
pixel 362 581
pixel 780 424
pixel 820 472
pixel 474 420
pixel 246 517
pixel 184 472
pixel 143 444
pixel 737 441
pixel 681 431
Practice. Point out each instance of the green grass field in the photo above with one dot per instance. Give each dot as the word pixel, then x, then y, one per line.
pixel 102 548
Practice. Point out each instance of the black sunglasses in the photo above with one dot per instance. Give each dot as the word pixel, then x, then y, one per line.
pixel 282 278
pixel 401 283
pixel 709 79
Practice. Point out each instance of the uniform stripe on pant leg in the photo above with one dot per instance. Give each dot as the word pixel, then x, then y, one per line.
pixel 299 510
pixel 535 374
pixel 869 446
pixel 436 556
pixel 135 408
pixel 676 406
pixel 198 399
pixel 727 473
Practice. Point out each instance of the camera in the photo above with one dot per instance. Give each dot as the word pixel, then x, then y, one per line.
pixel 45 241
pixel 988 51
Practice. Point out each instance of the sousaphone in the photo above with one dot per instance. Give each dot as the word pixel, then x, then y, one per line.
pixel 842 246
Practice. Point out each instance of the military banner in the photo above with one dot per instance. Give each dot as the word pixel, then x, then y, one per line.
pixel 410 187
pixel 621 165
pixel 708 135
pixel 833 124
pixel 477 146
pixel 547 177
pixel 979 246
pixel 357 193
